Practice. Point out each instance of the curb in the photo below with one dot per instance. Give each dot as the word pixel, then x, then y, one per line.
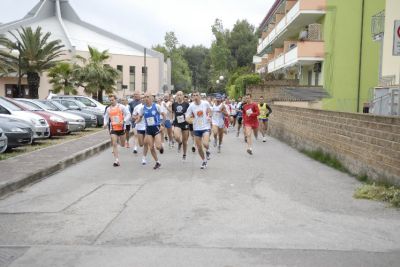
pixel 49 170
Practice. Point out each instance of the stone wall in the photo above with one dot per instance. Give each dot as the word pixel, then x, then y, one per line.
pixel 364 143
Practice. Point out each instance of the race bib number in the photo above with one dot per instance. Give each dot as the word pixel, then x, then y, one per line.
pixel 249 112
pixel 116 120
pixel 150 121
pixel 180 119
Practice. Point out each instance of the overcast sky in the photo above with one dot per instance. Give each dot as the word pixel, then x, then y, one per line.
pixel 147 21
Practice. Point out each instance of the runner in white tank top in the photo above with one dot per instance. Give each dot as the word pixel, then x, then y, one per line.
pixel 218 114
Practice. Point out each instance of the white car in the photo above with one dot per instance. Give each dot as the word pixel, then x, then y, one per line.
pixel 41 127
pixel 89 102
pixel 75 122
pixel 3 141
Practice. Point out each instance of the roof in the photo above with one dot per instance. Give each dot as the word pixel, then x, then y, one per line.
pixel 59 18
pixel 304 93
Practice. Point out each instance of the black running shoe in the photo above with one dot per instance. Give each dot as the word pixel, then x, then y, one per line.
pixel 116 164
pixel 134 151
pixel 245 139
pixel 193 149
pixel 157 166
pixel 203 165
pixel 250 151
pixel 162 150
pixel 184 157
pixel 208 155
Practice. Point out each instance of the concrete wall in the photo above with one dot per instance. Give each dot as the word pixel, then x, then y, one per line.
pixel 365 144
pixel 391 64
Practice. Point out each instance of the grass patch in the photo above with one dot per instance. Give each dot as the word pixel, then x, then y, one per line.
pixel 326 159
pixel 383 193
pixel 39 144
pixel 378 191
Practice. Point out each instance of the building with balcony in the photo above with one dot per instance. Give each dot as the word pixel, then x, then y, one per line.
pixel 324 44
pixel 385 31
pixel 142 69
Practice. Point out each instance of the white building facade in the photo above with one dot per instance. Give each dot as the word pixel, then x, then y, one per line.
pixel 132 59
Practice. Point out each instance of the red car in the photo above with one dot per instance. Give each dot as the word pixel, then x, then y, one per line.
pixel 58 125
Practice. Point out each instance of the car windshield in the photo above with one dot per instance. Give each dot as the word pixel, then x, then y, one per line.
pixel 48 105
pixel 57 105
pixel 8 105
pixel 30 107
pixel 30 104
pixel 78 103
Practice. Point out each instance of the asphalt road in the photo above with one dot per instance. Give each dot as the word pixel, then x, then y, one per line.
pixel 275 208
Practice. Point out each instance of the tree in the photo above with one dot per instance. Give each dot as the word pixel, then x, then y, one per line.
pixel 243 43
pixel 37 53
pixel 96 76
pixel 171 42
pixel 181 74
pixel 5 65
pixel 198 59
pixel 62 78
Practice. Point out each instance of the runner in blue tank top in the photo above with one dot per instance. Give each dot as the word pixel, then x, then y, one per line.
pixel 151 113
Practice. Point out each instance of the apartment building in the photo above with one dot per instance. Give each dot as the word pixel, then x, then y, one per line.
pixel 325 44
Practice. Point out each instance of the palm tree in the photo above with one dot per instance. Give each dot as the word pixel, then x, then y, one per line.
pixel 62 78
pixel 5 65
pixel 96 76
pixel 37 53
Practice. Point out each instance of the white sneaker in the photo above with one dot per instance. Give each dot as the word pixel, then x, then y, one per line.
pixel 264 139
pixel 144 162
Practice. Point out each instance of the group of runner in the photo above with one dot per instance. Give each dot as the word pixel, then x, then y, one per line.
pixel 179 119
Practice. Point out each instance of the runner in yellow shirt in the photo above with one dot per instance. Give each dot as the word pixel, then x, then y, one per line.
pixel 265 110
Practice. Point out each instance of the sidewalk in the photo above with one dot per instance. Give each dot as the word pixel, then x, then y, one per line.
pixel 29 168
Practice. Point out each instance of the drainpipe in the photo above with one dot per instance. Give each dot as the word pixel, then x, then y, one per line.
pixel 360 58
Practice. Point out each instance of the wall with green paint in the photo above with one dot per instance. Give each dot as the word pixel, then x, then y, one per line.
pixel 342 35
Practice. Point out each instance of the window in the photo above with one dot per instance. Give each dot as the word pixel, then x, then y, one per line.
pixel 120 68
pixel 132 78
pixel 144 79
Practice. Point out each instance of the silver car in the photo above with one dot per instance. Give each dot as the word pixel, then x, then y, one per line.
pixel 41 127
pixel 3 141
pixel 75 123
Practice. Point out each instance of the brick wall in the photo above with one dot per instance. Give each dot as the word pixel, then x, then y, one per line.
pixel 365 144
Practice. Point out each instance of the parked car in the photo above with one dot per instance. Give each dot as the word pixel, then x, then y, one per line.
pixel 58 125
pixel 77 105
pixel 87 101
pixel 41 127
pixel 76 123
pixel 18 133
pixel 3 141
pixel 90 119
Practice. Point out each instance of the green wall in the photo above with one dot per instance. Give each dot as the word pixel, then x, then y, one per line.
pixel 342 34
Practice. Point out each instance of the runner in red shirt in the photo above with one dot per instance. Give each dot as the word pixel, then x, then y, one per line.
pixel 250 121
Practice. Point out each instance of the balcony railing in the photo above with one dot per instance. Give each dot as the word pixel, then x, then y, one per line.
pixel 302 52
pixel 301 7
